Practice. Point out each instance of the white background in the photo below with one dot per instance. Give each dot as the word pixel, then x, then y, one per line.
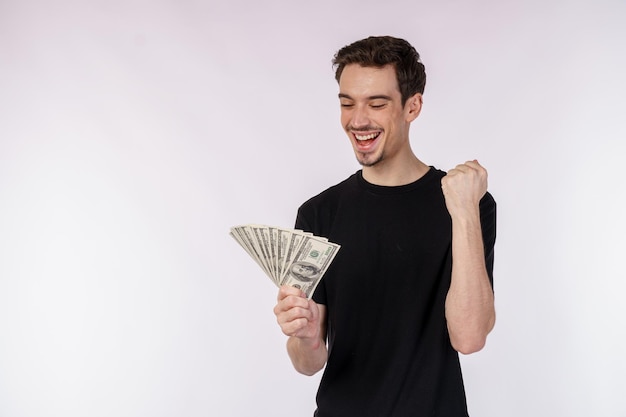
pixel 134 134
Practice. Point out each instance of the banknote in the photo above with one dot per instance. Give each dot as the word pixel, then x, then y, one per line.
pixel 287 256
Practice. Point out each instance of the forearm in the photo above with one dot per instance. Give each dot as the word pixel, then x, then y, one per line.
pixel 308 357
pixel 470 309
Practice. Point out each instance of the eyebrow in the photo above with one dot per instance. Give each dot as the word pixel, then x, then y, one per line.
pixel 375 97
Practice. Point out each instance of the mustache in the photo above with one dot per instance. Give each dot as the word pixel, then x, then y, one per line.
pixel 363 128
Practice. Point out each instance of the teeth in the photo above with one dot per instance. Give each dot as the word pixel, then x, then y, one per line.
pixel 366 137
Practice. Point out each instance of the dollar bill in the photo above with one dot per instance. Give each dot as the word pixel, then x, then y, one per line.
pixel 244 236
pixel 309 265
pixel 288 256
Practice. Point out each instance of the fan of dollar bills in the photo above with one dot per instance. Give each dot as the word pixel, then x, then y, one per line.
pixel 288 256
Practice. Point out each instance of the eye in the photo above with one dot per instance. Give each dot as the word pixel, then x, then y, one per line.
pixel 378 105
pixel 347 105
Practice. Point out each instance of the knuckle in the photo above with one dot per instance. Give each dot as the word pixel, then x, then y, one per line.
pixel 299 312
pixel 299 302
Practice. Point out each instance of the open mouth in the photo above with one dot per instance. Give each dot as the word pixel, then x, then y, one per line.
pixel 366 137
pixel 364 140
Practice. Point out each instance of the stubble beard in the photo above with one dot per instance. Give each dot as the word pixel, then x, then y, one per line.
pixel 365 163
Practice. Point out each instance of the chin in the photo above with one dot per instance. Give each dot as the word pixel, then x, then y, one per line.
pixel 369 162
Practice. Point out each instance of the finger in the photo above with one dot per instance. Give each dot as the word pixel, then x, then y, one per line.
pixel 466 167
pixel 294 317
pixel 287 290
pixel 469 167
pixel 296 314
pixel 475 164
pixel 295 327
pixel 457 170
pixel 289 303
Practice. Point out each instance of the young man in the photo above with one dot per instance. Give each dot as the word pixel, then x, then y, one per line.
pixel 412 284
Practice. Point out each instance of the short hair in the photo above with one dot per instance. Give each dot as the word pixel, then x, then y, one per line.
pixel 379 51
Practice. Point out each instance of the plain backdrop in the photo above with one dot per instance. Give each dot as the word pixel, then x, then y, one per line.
pixel 133 134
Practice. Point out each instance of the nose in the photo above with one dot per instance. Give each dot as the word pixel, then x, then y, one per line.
pixel 360 117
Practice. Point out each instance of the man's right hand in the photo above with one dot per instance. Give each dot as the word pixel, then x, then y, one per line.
pixel 296 315
pixel 304 321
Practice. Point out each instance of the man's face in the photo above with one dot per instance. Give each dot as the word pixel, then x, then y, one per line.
pixel 372 113
pixel 304 270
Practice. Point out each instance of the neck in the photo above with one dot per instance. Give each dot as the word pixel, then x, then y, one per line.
pixel 394 173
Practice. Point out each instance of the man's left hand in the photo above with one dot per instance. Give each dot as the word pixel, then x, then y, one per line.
pixel 464 186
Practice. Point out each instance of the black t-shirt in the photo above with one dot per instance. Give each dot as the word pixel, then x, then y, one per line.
pixel 389 349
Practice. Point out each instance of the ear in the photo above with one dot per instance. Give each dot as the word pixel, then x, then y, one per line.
pixel 413 107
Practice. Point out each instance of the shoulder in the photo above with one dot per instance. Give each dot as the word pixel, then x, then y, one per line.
pixel 436 172
pixel 321 208
pixel 332 194
pixel 433 176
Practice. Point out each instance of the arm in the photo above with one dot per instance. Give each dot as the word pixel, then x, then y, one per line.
pixel 304 321
pixel 470 311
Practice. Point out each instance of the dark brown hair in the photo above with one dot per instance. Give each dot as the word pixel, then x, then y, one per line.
pixel 379 51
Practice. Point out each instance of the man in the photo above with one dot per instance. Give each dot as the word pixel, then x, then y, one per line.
pixel 412 283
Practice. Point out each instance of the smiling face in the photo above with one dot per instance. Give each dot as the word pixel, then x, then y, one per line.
pixel 373 116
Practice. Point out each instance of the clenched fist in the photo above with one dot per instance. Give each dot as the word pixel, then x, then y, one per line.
pixel 463 187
